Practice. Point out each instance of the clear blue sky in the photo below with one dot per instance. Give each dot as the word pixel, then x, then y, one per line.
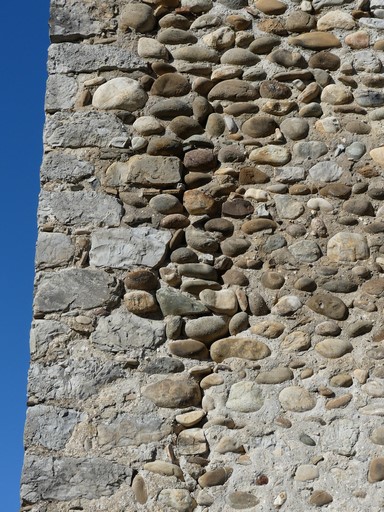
pixel 23 55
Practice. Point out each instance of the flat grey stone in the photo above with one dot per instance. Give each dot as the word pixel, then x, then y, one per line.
pixel 66 478
pixel 77 380
pixel 43 332
pixel 306 251
pixel 75 288
pixel 152 171
pixel 80 208
pixel 61 93
pixel 53 250
pixel 132 430
pixel 122 330
pixel 174 302
pixel 287 207
pixel 75 19
pixel 122 247
pixel 85 58
pixel 81 129
pixel 325 171
pixel 50 427
pixel 64 167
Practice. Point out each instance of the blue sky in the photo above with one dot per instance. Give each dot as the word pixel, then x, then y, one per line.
pixel 23 55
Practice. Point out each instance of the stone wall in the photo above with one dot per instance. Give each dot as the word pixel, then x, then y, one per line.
pixel 208 330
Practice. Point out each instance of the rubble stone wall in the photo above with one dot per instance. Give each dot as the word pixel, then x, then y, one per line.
pixel 208 326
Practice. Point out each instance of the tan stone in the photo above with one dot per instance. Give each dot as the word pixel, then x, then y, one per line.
pixel 244 348
pixel 189 419
pixel 335 19
pixel 315 40
pixel 377 155
pixel 164 468
pixel 357 40
pixel 270 155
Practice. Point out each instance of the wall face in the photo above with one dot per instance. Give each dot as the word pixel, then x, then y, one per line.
pixel 208 328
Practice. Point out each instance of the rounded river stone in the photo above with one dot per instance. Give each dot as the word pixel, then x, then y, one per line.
pixel 328 305
pixel 173 393
pixel 296 399
pixel 333 347
pixel 244 348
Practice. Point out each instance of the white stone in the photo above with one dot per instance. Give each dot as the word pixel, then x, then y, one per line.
pixel 346 246
pixel 120 93
pixel 245 396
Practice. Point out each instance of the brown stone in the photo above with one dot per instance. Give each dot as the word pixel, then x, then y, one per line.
pixel 264 44
pixel 274 89
pixel 202 160
pixel 170 84
pixel 237 208
pixel 233 90
pixel 215 477
pixel 324 60
pixel 191 349
pixel 140 302
pixel 197 202
pixel 238 22
pixel 141 279
pixel 300 21
pixel 320 498
pixel 270 7
pixel 185 127
pixel 174 221
pixel 376 470
pixel 338 402
pixel 254 225
pixel 338 190
pixel 315 40
pixel 359 40
pixel 374 287
pixel 173 393
pixel 259 126
pixel 272 26
pixel 252 176
pixel 328 305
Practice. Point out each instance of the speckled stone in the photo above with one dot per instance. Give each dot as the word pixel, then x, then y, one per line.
pixel 296 399
pixel 244 348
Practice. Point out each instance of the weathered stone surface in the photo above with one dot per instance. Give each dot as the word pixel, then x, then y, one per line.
pixel 270 155
pixel 94 129
pixel 121 248
pixel 61 93
pixel 240 500
pixel 75 289
pixel 79 379
pixel 155 171
pixel 49 426
pixel 65 167
pixel 85 58
pixel 122 330
pixel 79 208
pixel 177 499
pixel 245 348
pixel 46 478
pixel 345 246
pixel 53 250
pixel 173 393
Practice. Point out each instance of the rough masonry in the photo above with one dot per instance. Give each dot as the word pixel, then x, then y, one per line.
pixel 208 326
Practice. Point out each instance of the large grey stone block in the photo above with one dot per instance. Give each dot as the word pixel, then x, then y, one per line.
pixel 61 93
pixel 66 478
pixel 75 288
pixel 72 20
pixel 84 58
pixel 44 332
pixel 78 379
pixel 122 330
pixel 81 129
pixel 50 427
pixel 122 248
pixel 61 166
pixel 80 208
pixel 53 250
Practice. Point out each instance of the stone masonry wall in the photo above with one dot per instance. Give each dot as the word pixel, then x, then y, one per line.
pixel 208 320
